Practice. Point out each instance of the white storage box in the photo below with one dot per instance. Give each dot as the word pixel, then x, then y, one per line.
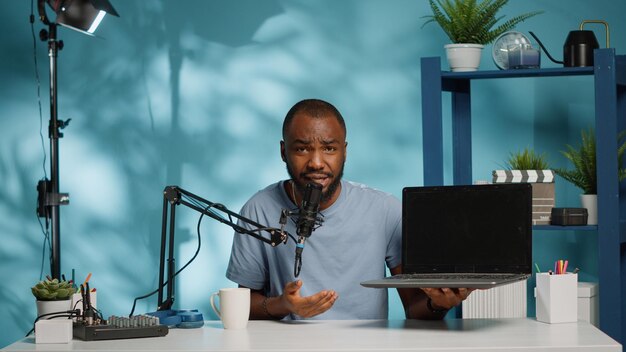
pixel 53 331
pixel 588 302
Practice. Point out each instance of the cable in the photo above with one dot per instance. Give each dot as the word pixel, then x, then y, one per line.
pixel 297 265
pixel 207 209
pixel 41 137
pixel 60 314
pixel 38 80
pixel 132 311
pixel 76 303
pixel 46 239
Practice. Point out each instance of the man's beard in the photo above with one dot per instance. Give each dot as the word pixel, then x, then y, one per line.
pixel 332 188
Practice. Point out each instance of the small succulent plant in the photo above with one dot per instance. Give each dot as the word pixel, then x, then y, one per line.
pixel 53 290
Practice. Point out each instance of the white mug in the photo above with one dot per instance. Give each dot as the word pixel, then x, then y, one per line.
pixel 234 307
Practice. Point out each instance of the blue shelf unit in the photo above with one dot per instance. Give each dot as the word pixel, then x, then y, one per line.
pixel 609 79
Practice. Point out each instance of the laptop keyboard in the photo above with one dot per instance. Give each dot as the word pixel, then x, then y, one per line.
pixel 452 276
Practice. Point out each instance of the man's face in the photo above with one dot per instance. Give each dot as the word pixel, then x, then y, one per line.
pixel 314 150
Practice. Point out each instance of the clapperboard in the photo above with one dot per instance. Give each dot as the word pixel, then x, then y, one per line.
pixel 543 190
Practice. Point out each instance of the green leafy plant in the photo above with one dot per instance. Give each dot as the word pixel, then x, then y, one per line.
pixel 527 160
pixel 583 159
pixel 473 21
pixel 53 290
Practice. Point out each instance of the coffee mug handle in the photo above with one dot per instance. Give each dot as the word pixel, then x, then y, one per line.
pixel 217 311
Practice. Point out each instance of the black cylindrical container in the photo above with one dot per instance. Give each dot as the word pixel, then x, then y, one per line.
pixel 578 48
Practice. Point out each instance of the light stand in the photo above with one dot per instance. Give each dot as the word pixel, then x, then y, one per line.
pixel 72 14
pixel 49 198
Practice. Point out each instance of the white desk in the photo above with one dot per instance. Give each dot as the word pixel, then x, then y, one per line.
pixel 360 335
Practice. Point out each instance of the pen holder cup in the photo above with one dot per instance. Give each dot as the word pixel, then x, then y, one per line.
pixel 557 298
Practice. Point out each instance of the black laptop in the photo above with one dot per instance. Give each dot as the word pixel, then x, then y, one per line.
pixel 474 236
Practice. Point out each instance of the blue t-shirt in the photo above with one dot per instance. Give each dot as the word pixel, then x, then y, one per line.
pixel 360 233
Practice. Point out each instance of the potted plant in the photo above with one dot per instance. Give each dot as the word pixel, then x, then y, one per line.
pixel 53 296
pixel 528 166
pixel 527 160
pixel 470 25
pixel 583 175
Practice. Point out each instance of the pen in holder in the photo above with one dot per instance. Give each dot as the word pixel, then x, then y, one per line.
pixel 557 298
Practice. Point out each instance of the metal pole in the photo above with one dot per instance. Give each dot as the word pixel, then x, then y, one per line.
pixel 53 133
pixel 162 257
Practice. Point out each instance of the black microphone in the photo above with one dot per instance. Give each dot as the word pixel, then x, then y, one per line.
pixel 307 220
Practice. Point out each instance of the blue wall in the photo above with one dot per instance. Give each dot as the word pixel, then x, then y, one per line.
pixel 193 93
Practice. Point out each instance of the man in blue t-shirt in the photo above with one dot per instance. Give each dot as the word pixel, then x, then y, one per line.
pixel 361 233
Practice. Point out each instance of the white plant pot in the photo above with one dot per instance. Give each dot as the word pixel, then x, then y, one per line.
pixel 463 57
pixel 46 307
pixel 590 201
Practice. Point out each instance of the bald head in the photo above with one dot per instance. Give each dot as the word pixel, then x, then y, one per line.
pixel 314 108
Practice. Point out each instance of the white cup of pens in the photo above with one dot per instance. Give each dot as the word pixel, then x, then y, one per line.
pixel 557 294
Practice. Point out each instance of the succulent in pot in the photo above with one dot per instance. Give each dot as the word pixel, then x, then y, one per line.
pixel 53 290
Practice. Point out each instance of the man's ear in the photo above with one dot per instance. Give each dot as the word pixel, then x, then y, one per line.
pixel 282 151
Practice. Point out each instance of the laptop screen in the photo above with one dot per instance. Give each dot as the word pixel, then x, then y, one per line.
pixel 477 228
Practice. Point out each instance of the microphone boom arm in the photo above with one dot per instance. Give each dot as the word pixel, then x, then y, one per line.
pixel 173 196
